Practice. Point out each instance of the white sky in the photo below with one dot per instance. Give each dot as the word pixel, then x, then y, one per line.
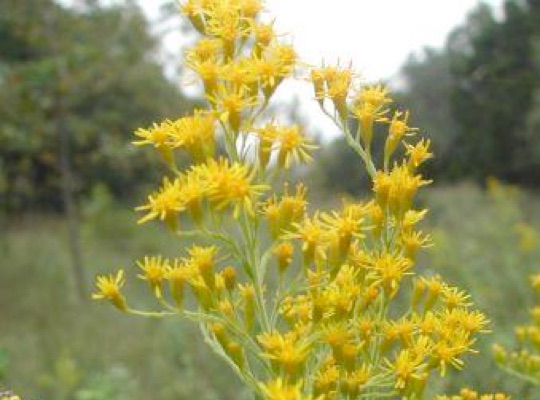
pixel 376 35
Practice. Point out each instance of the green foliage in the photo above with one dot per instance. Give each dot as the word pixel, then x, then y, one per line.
pixel 90 72
pixel 4 363
pixel 492 61
pixel 55 346
pixel 113 384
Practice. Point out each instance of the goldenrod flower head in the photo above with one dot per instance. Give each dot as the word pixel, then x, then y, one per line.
pixel 468 394
pixel 313 236
pixel 230 102
pixel 414 240
pixel 250 8
pixel 418 153
pixel 109 289
pixel 279 389
pixel 154 271
pixel 224 21
pixel 412 217
pixel 453 297
pixel 445 354
pixel 355 380
pixel 326 380
pixel 399 125
pixel 157 136
pixel 405 367
pixel 293 146
pixel 375 95
pixel 208 70
pixel 282 213
pixel 241 73
pixel 338 81
pixel 206 49
pixel 346 225
pixel 397 129
pixel 390 270
pixel 285 352
pixel 284 254
pixel 178 275
pixel 193 189
pixel 230 184
pixel 165 204
pixel 203 260
pixel 397 189
pixel 195 134
pixel 367 115
pixel 264 35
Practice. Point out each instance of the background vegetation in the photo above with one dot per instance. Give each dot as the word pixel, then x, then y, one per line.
pixel 76 81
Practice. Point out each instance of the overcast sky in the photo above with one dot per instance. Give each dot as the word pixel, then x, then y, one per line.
pixel 377 35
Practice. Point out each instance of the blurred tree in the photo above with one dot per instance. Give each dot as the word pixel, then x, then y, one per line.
pixel 74 83
pixel 90 71
pixel 493 63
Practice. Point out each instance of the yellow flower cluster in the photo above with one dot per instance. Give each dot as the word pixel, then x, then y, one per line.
pixel 320 305
pixel 8 396
pixel 524 362
pixel 468 394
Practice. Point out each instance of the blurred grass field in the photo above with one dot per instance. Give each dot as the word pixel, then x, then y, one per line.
pixel 51 347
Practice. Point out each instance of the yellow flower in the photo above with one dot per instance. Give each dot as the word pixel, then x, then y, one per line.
pixel 326 380
pixel 397 189
pixel 293 145
pixel 418 153
pixel 375 95
pixel 279 389
pixel 178 275
pixel 109 289
pixel 338 82
pixel 231 102
pixel 241 74
pixel 195 134
pixel 405 367
pixel 267 136
pixel 264 35
pixel 284 254
pixel 165 204
pixel 193 189
pixel 154 272
pixel 390 270
pixel 286 353
pixel 313 236
pixel 157 136
pixel 203 260
pixel 209 70
pixel 396 131
pixel 231 184
pixel 206 49
pixel 468 394
pixel 355 380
